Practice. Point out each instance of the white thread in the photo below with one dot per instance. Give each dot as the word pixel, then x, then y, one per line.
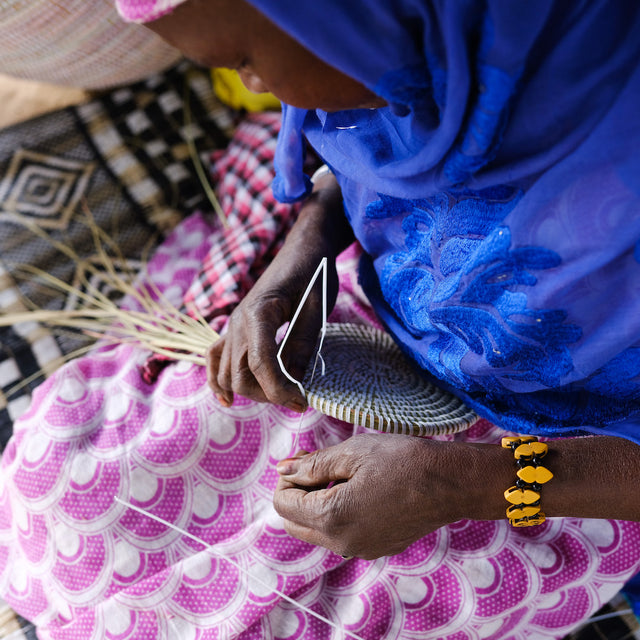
pixel 322 267
pixel 238 566
pixel 606 616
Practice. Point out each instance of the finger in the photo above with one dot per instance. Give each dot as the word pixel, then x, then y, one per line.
pixel 263 363
pixel 312 536
pixel 300 505
pixel 283 465
pixel 243 382
pixel 318 508
pixel 214 364
pixel 303 340
pixel 308 516
pixel 320 467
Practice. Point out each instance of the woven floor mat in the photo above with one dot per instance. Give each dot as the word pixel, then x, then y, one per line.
pixel 125 158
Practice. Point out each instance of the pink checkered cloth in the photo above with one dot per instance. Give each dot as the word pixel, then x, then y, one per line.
pixel 257 222
pixel 145 10
pixel 257 226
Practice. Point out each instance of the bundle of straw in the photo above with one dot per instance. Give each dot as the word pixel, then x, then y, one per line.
pixel 155 325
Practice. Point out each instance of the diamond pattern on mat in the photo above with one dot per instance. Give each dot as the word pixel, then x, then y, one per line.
pixel 45 187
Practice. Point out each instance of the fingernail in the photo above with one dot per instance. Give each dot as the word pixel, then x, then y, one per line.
pixel 287 467
pixel 223 401
pixel 296 405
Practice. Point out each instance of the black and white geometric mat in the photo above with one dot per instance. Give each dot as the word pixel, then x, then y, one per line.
pixel 125 157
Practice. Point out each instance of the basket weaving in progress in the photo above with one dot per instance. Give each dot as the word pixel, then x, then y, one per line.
pixel 369 382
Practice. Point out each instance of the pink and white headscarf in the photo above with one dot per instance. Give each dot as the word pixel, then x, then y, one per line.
pixel 145 10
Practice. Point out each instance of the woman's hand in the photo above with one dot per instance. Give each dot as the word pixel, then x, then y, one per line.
pixel 244 361
pixel 374 494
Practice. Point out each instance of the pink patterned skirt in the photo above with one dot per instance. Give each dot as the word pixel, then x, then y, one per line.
pixel 81 564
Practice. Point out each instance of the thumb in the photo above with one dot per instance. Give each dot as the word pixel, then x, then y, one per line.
pixel 319 468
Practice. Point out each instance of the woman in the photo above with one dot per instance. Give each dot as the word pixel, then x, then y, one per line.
pixel 489 194
pixel 466 140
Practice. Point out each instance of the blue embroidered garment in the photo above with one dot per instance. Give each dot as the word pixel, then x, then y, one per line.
pixel 497 196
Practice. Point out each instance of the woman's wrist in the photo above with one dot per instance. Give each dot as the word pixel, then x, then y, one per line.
pixel 469 479
pixel 322 218
pixel 489 470
pixel 593 477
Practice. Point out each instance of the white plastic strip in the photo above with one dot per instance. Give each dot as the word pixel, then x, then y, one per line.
pixel 239 567
pixel 322 268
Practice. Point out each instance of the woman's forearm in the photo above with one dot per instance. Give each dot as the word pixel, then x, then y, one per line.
pixel 594 477
pixel 322 221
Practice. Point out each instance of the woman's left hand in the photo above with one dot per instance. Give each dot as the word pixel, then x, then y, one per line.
pixel 374 494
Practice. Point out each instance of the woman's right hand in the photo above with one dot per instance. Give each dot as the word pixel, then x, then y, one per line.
pixel 243 360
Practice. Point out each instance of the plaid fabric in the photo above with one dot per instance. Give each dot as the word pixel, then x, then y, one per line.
pixel 257 223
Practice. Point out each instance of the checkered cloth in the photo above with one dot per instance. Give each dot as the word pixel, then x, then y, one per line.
pixel 257 223
pixel 256 226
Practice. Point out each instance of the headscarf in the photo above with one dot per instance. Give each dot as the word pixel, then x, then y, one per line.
pixel 497 196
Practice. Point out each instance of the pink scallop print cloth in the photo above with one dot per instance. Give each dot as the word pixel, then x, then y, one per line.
pixel 81 565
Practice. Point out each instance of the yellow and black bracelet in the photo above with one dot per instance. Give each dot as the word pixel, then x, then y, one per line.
pixel 525 496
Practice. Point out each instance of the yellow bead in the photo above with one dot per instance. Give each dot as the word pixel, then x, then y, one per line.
pixel 521 496
pixel 522 512
pixel 528 522
pixel 539 518
pixel 522 522
pixel 530 449
pixel 507 441
pixel 534 474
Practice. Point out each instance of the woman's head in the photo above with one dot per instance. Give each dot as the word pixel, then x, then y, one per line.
pixel 232 33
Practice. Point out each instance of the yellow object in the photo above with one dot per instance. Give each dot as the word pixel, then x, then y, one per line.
pixel 531 521
pixel 530 449
pixel 521 496
pixel 524 497
pixel 507 442
pixel 530 474
pixel 229 88
pixel 517 511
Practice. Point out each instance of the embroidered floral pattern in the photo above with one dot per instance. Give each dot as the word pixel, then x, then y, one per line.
pixel 462 285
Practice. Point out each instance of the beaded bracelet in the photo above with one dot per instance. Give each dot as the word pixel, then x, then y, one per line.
pixel 525 495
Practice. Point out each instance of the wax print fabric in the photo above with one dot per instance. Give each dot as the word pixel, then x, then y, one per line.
pixel 79 564
pixel 497 196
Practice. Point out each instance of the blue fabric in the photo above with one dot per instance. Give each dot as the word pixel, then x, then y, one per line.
pixel 631 590
pixel 497 196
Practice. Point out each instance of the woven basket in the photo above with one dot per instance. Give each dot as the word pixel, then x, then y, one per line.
pixel 368 381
